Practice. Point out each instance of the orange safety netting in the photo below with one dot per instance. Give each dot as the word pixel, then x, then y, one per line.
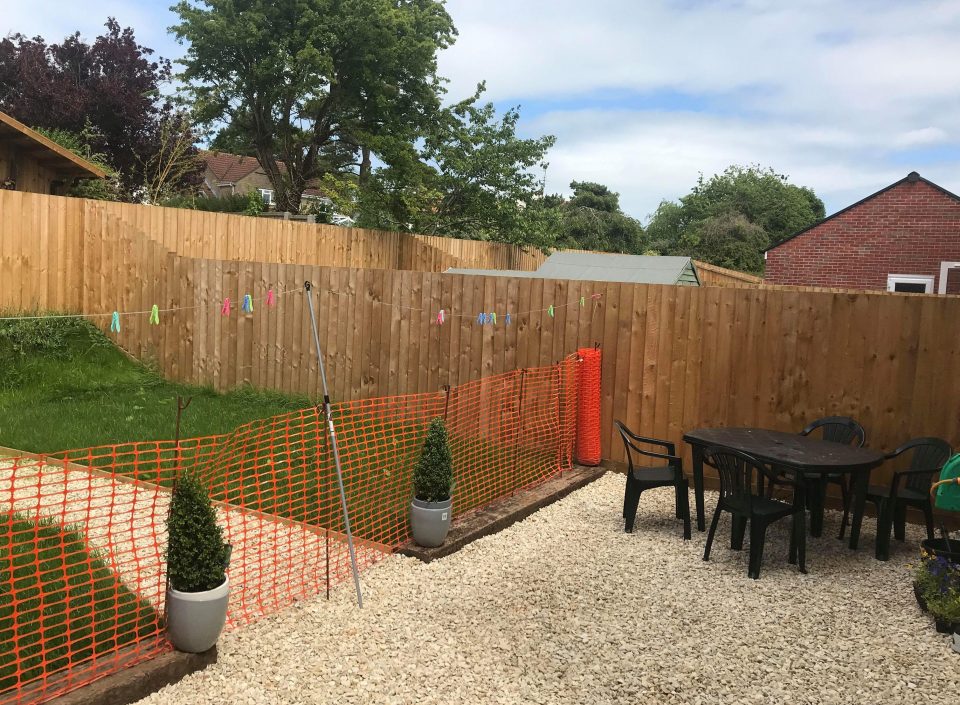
pixel 83 533
pixel 588 407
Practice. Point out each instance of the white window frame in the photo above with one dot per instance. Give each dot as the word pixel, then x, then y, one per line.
pixel 945 268
pixel 267 195
pixel 925 279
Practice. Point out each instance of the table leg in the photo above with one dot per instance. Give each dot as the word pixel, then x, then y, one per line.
pixel 860 482
pixel 698 485
pixel 818 493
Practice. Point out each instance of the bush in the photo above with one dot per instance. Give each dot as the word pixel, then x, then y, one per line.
pixel 433 475
pixel 196 551
pixel 245 203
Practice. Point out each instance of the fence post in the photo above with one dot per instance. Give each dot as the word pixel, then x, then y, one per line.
pixel 516 446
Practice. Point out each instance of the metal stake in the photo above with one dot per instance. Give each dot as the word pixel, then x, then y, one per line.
pixel 307 286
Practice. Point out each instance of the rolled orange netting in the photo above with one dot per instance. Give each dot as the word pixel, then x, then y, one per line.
pixel 588 407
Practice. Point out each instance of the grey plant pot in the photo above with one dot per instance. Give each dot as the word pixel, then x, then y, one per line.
pixel 195 619
pixel 430 521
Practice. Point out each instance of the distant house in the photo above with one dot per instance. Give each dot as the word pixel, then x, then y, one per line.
pixel 31 162
pixel 231 174
pixel 905 237
pixel 602 267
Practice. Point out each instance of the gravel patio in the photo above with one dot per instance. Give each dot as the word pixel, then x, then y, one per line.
pixel 566 608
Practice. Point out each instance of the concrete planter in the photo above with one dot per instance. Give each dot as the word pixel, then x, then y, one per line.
pixel 195 619
pixel 956 640
pixel 430 521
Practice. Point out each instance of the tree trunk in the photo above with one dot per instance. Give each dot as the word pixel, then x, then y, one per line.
pixel 365 167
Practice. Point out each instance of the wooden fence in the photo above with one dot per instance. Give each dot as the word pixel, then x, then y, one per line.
pixel 675 358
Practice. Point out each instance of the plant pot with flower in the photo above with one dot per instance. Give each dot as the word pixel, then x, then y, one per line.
pixel 937 584
pixel 432 507
pixel 197 557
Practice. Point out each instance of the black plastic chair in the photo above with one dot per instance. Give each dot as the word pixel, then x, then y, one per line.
pixel 836 429
pixel 910 487
pixel 741 494
pixel 648 478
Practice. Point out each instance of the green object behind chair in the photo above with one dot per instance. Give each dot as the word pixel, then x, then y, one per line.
pixel 948 496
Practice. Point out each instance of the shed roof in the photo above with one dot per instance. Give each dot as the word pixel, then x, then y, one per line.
pixel 47 152
pixel 602 267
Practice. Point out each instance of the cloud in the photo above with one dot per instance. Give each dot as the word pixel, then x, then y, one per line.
pixel 844 97
pixel 834 94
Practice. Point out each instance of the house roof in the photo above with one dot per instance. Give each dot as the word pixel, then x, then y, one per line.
pixel 912 178
pixel 230 167
pixel 47 152
pixel 601 267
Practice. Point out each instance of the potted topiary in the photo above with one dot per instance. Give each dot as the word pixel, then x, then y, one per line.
pixel 431 509
pixel 197 558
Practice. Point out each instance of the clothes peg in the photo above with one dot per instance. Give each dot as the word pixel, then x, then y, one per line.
pixel 225 309
pixel 155 315
pixel 115 322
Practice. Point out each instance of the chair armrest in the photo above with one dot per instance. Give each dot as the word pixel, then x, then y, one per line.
pixel 653 454
pixel 779 478
pixel 670 446
pixel 897 476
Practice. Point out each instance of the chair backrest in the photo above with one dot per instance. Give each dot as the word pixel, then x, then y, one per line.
pixel 631 439
pixel 739 473
pixel 928 453
pixel 838 429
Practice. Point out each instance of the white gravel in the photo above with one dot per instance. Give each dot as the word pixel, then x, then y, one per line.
pixel 566 608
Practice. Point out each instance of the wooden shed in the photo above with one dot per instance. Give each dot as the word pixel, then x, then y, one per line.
pixel 31 162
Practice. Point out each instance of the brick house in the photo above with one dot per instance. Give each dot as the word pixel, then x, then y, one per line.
pixel 227 174
pixel 905 237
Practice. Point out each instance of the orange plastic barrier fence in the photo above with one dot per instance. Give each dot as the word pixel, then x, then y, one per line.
pixel 83 533
pixel 588 407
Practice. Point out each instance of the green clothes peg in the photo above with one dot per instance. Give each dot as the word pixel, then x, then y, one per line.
pixel 155 315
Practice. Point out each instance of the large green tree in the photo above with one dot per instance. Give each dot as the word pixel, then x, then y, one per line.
pixel 592 220
pixel 472 177
pixel 319 85
pixel 732 217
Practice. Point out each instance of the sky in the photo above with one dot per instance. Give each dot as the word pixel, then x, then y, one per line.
pixel 844 97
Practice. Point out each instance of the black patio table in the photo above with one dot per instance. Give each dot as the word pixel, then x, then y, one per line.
pixel 791 451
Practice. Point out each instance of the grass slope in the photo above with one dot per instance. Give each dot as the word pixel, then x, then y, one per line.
pixel 64 385
pixel 59 603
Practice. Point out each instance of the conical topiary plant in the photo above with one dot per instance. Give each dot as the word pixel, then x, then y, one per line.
pixel 196 551
pixel 433 475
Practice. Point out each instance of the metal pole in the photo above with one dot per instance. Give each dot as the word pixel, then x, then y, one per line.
pixel 307 286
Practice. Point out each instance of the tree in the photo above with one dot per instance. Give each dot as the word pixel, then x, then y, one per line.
pixel 107 92
pixel 592 220
pixel 474 178
pixel 318 85
pixel 731 218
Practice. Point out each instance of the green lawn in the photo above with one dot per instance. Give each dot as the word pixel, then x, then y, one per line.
pixel 59 603
pixel 64 385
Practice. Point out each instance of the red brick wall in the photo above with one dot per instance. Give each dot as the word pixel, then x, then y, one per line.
pixel 909 229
